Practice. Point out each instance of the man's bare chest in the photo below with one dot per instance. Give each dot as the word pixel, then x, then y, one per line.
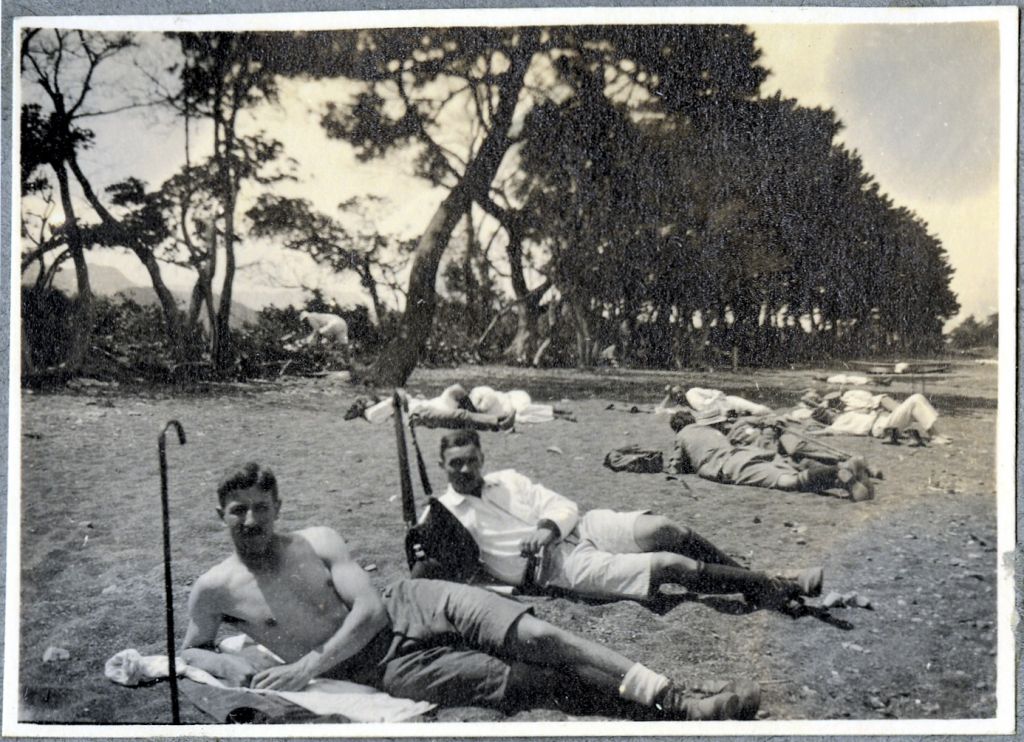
pixel 268 604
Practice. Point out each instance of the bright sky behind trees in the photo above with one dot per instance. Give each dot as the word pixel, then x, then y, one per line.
pixel 920 102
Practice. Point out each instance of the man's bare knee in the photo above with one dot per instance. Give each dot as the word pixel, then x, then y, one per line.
pixel 658 533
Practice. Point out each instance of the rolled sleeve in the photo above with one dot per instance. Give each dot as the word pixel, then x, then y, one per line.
pixel 552 506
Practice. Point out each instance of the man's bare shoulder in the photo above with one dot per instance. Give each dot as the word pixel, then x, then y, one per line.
pixel 216 583
pixel 326 542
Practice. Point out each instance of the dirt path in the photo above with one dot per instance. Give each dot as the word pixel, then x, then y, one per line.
pixel 923 552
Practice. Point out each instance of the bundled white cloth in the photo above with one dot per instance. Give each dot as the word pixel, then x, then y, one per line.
pixel 502 404
pixel 847 379
pixel 323 696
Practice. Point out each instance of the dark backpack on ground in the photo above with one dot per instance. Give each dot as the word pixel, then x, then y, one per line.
pixel 634 459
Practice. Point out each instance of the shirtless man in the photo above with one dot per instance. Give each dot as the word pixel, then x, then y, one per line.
pixel 302 596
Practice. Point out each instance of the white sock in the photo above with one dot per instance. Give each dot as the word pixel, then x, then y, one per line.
pixel 642 685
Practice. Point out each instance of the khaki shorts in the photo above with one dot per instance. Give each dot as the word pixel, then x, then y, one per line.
pixel 446 644
pixel 606 563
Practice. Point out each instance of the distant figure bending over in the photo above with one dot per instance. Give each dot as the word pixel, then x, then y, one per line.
pixel 302 596
pixel 326 325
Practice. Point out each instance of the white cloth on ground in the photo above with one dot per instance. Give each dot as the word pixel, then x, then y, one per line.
pixel 847 379
pixel 502 404
pixel 323 696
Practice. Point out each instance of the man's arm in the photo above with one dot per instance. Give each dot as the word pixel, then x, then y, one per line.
pixel 554 514
pixel 198 648
pixel 679 460
pixel 364 621
pixel 204 615
pixel 550 508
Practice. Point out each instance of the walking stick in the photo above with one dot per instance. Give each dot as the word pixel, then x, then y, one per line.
pixel 168 594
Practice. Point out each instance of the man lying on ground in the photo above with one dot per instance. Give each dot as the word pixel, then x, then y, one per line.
pixel 698 398
pixel 779 434
pixel 303 597
pixel 604 554
pixel 452 408
pixel 702 448
pixel 859 412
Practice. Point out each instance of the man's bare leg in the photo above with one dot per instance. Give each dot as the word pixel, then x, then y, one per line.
pixel 658 533
pixel 537 642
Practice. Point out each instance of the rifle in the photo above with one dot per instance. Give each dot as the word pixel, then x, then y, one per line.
pixel 405 480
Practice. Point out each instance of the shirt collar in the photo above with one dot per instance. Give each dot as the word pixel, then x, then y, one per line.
pixel 457 498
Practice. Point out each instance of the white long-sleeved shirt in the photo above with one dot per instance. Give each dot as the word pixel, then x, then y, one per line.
pixel 509 508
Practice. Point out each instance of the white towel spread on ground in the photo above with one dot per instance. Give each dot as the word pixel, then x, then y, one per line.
pixel 323 696
pixel 845 379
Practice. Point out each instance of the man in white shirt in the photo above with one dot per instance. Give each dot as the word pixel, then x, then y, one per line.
pixel 880 416
pixel 517 524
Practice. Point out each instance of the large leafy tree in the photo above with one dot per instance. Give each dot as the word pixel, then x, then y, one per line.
pixel 222 75
pixel 744 211
pixel 373 257
pixel 59 67
pixel 413 79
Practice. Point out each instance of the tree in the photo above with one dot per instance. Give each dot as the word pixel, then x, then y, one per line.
pixel 371 256
pixel 222 75
pixel 414 77
pixel 62 64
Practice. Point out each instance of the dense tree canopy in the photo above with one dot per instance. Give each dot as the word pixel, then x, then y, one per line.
pixel 619 185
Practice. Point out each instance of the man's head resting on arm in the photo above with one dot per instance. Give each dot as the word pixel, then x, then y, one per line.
pixel 248 505
pixel 462 461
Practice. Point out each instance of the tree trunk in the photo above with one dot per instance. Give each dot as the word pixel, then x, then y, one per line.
pixel 27 367
pixel 522 349
pixel 370 284
pixel 172 317
pixel 398 360
pixel 224 352
pixel 474 309
pixel 584 342
pixel 83 322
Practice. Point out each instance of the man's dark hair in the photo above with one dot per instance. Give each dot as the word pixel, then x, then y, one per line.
pixel 457 438
pixel 680 420
pixel 246 476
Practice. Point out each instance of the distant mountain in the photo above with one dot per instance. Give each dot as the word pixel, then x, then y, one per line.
pixel 106 280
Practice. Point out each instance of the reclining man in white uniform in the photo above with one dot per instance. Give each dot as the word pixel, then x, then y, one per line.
pixel 603 554
pixel 880 416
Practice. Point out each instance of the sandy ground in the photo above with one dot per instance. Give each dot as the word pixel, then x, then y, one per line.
pixel 923 551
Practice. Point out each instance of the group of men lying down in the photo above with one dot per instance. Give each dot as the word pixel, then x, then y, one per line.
pixel 731 440
pixel 433 638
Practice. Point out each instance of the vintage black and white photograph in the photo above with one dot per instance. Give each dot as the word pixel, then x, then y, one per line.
pixel 634 368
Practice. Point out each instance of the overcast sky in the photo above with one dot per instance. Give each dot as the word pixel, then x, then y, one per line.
pixel 920 103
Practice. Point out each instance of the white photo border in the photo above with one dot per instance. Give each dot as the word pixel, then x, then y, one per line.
pixel 1007 411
